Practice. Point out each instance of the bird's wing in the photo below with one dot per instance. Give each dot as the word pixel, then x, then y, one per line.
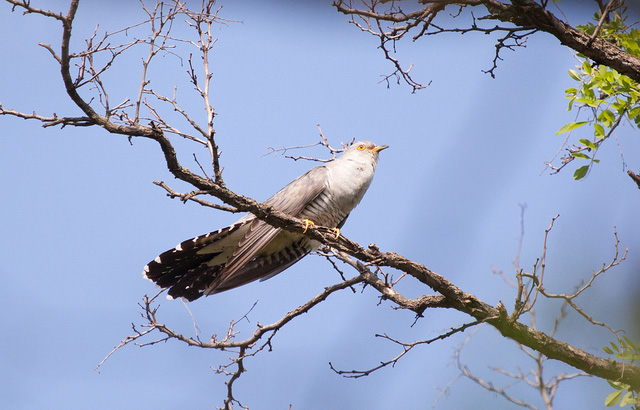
pixel 294 197
pixel 264 267
pixel 291 199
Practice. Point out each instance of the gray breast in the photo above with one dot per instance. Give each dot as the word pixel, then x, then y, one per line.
pixel 323 210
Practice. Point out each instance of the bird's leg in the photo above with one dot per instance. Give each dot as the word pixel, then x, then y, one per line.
pixel 337 231
pixel 307 224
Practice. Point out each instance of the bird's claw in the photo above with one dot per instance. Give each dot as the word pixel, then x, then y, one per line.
pixel 307 224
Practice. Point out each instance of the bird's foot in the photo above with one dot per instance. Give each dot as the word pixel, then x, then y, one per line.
pixel 337 231
pixel 307 224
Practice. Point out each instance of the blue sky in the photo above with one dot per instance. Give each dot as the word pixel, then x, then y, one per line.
pixel 81 216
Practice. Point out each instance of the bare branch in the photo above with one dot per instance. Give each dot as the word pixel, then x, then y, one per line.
pixel 49 121
pixel 166 127
pixel 26 5
pixel 50 50
pixel 406 347
pixel 159 34
pixel 464 370
pixel 244 347
pixel 570 298
pixel 547 388
pixel 523 18
pixel 323 142
pixel 202 22
pixel 193 196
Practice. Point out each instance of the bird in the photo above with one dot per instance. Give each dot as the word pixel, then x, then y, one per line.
pixel 251 249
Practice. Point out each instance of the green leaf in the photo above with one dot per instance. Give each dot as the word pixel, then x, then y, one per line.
pixel 614 346
pixel 613 398
pixel 586 67
pixel 588 143
pixel 619 105
pixel 591 102
pixel 607 350
pixel 571 126
pixel 580 155
pixel 610 116
pixel 615 385
pixel 625 356
pixel 602 70
pixel 581 172
pixel 598 130
pixel 606 117
pixel 628 399
pixel 574 74
pixel 633 112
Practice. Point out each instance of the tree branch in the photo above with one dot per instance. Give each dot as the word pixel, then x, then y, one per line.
pixel 526 15
pixel 450 296
pixel 635 177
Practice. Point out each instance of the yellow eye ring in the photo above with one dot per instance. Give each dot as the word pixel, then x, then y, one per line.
pixel 361 147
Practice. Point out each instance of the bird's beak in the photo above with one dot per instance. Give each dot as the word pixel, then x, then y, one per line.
pixel 379 148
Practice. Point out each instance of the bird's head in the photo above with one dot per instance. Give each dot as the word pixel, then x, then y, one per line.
pixel 363 149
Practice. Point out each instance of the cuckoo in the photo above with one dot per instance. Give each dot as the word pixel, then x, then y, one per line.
pixel 251 249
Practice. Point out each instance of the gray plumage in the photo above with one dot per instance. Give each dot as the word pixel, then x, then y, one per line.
pixel 251 249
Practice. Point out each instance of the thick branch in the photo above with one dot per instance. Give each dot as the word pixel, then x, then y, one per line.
pixel 530 13
pixel 635 177
pixel 456 298
pixel 498 318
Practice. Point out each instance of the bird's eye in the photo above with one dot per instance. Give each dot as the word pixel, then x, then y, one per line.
pixel 361 147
